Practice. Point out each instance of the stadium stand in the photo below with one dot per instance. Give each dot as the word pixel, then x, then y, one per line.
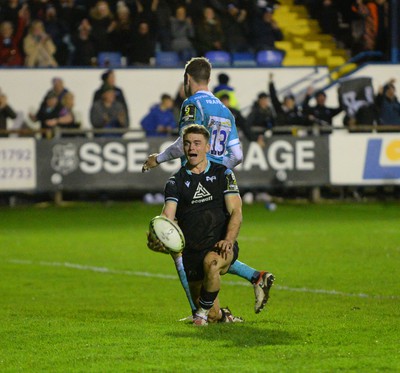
pixel 109 59
pixel 219 58
pixel 243 59
pixel 271 57
pixel 167 59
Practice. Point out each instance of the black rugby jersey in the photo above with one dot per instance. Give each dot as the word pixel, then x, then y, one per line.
pixel 201 211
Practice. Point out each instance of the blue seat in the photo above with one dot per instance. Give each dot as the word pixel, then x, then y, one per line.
pixel 167 59
pixel 109 59
pixel 270 57
pixel 245 59
pixel 219 58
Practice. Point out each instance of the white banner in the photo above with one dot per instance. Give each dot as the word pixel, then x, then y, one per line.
pixel 365 159
pixel 17 164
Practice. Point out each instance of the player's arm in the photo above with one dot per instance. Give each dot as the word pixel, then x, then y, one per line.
pixel 234 152
pixel 233 204
pixel 189 115
pixel 233 157
pixel 175 150
pixel 169 210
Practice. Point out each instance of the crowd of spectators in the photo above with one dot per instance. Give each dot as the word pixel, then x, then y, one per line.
pixel 49 33
pixel 360 25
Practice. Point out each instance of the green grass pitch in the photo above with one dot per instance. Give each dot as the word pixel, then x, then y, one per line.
pixel 80 292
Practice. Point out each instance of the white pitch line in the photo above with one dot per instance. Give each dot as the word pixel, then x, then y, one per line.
pixel 82 267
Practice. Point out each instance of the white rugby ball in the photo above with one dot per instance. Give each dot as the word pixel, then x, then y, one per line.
pixel 168 233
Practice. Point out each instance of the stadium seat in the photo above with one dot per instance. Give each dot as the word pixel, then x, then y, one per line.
pixel 167 59
pixel 244 59
pixel 270 57
pixel 109 59
pixel 219 58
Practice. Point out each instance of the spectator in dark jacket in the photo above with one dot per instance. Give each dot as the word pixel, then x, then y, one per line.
pixel 265 31
pixel 108 79
pixel 388 104
pixel 287 112
pixel 261 118
pixel 319 114
pixel 160 121
pixel 5 112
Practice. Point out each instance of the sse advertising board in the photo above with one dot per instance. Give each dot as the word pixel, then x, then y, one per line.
pixel 100 164
pixel 360 159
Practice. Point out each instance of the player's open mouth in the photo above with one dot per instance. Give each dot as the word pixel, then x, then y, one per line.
pixel 192 155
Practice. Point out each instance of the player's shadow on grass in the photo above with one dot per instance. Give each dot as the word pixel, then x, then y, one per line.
pixel 240 335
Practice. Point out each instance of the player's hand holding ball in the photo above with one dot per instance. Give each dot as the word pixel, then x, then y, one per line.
pixel 154 244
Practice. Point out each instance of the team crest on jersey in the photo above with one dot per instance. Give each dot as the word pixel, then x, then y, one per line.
pixel 189 113
pixel 201 195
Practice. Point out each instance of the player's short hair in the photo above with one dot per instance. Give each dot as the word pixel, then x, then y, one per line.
pixel 197 129
pixel 165 96
pixel 199 68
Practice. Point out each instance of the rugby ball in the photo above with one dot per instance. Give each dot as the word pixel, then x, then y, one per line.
pixel 168 233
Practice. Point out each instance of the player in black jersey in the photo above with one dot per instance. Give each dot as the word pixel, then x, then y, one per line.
pixel 205 199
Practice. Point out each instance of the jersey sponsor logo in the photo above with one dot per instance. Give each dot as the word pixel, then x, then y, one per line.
pixel 219 122
pixel 211 178
pixel 189 113
pixel 201 195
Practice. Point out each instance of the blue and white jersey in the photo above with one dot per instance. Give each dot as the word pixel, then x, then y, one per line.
pixel 205 109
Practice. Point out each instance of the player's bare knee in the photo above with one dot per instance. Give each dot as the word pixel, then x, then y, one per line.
pixel 212 264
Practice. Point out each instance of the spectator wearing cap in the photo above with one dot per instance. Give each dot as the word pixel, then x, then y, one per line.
pixel 108 113
pixel 287 112
pixel 319 114
pixel 261 117
pixel 388 105
pixel 223 88
pixel 108 79
pixel 160 120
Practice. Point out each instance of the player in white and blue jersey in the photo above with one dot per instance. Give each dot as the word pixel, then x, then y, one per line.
pixel 203 108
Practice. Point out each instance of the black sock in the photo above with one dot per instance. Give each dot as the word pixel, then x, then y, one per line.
pixel 207 298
